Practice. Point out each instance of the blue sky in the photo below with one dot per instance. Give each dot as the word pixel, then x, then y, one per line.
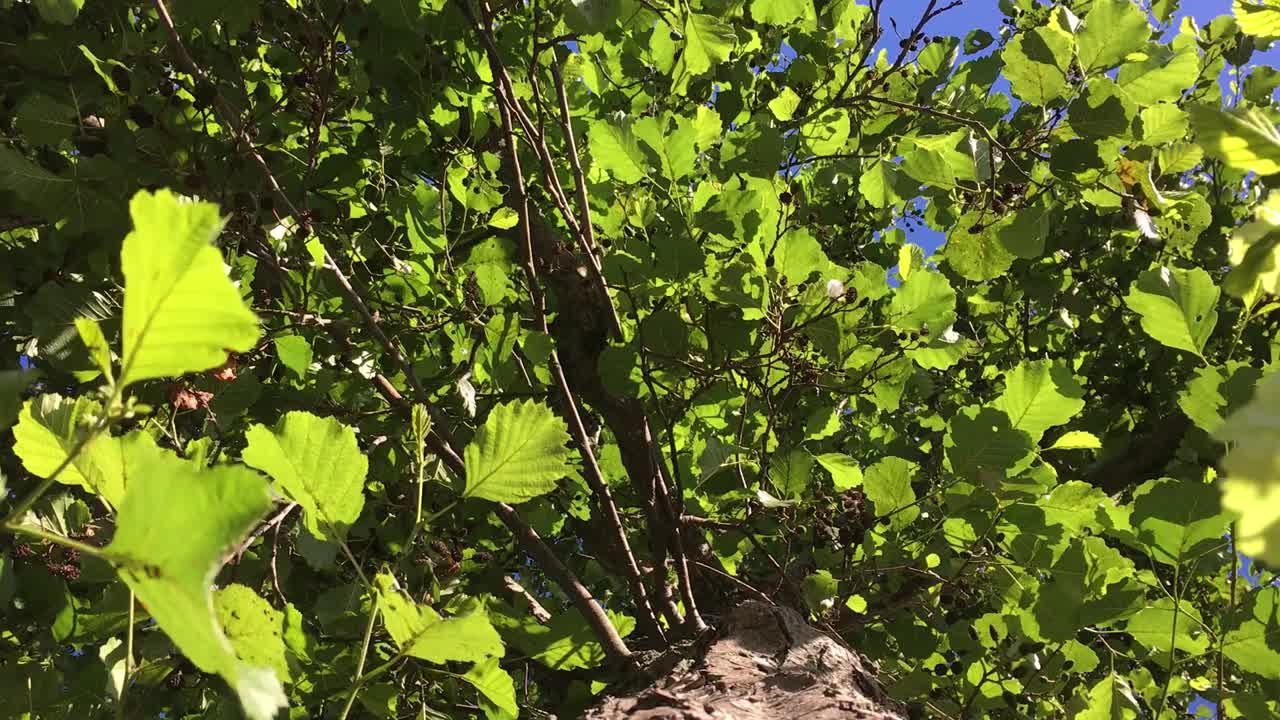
pixel 986 14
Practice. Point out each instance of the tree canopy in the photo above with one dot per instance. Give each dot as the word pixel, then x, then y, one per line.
pixel 457 358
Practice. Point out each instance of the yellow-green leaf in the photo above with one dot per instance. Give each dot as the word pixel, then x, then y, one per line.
pixel 318 464
pixel 1251 488
pixel 518 454
pixel 176 523
pixel 181 311
pixel 423 633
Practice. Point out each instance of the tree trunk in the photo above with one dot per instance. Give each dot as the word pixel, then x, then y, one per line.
pixel 763 663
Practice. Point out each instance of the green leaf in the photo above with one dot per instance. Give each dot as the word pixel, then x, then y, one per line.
pixel 567 642
pixel 1163 123
pixel 497 690
pixel 1074 505
pixel 925 298
pixel 785 104
pixel 96 343
pixel 1177 307
pixel 1251 488
pixel 939 160
pixel 1035 62
pixel 1177 157
pixel 255 629
pixel 1251 642
pixel 798 255
pixel 981 444
pixel 1257 17
pixel 977 41
pixel 1255 252
pixel 181 312
pixel 12 384
pixel 1024 235
pixel 1112 30
pixel 885 184
pixel 421 632
pixel 676 149
pixel 1163 621
pixel 616 149
pixel 827 134
pixel 845 472
pixel 174 527
pixel 1162 76
pixel 317 463
pixel 1039 395
pixel 1077 593
pixel 1112 698
pixel 782 12
pixel 1243 138
pixel 1103 110
pixel 518 454
pixel 1201 399
pixel 63 12
pixel 1178 520
pixel 819 590
pixel 51 426
pixel 504 218
pixel 295 353
pixel 790 473
pixel 43 120
pixel 973 252
pixel 490 260
pixel 888 485
pixel 707 42
pixel 1076 440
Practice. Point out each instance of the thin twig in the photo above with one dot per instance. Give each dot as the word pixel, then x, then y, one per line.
pixel 229 117
pixel 594 476
pixel 604 630
pixel 364 652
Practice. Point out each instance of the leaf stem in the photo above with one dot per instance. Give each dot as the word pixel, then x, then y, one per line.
pixel 34 496
pixel 364 653
pixel 128 659
pixel 55 538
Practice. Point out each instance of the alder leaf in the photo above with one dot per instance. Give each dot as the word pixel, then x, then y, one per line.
pixel 174 527
pixel 1177 307
pixel 616 149
pixel 423 633
pixel 50 427
pixel 707 42
pixel 1251 488
pixel 318 464
pixel 1039 395
pixel 518 454
pixel 845 472
pixel 12 384
pixel 181 312
pixel 497 689
pixel 1243 138
pixel 255 629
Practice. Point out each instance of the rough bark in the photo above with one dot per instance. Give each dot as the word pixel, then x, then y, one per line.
pixel 764 663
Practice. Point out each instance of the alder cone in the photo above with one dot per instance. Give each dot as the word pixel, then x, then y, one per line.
pixel 766 663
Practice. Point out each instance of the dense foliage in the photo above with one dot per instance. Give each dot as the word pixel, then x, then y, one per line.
pixel 449 358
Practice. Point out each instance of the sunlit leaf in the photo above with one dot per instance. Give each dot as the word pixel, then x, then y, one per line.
pixel 518 454
pixel 317 463
pixel 1243 138
pixel 175 525
pixel 423 633
pixel 708 42
pixel 1251 488
pixel 181 311
pixel 1177 307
